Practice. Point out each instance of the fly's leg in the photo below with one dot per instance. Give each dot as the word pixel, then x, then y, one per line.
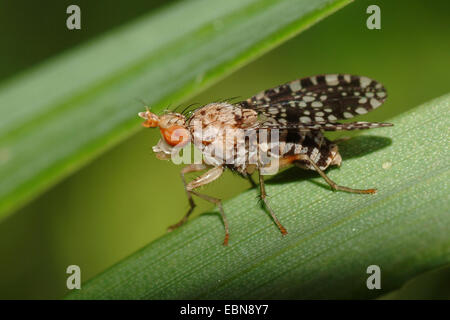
pixel 217 202
pixel 185 170
pixel 332 184
pixel 202 180
pixel 264 199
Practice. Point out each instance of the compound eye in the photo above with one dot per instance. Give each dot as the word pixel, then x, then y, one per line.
pixel 176 135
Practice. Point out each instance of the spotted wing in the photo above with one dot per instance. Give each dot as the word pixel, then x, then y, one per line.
pixel 325 126
pixel 318 102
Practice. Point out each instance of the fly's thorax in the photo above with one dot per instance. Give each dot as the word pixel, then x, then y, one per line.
pixel 220 123
pixel 222 115
pixel 230 135
pixel 219 128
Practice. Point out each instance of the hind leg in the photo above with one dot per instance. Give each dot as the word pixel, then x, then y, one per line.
pixel 332 184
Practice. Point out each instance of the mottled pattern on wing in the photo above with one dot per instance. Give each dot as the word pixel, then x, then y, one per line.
pixel 318 102
pixel 326 126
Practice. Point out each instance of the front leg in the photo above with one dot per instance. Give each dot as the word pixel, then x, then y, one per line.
pixel 185 170
pixel 202 180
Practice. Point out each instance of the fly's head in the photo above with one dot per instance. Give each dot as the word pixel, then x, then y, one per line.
pixel 173 130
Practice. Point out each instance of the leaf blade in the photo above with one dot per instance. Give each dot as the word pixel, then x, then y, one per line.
pixel 333 237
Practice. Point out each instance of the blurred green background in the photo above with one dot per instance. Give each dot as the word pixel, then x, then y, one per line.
pixel 127 198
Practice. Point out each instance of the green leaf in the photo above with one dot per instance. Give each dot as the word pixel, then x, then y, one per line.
pixel 333 236
pixel 58 116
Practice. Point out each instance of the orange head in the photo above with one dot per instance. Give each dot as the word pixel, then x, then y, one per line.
pixel 172 126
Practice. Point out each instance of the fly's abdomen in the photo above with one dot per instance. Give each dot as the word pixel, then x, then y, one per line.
pixel 293 145
pixel 320 150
